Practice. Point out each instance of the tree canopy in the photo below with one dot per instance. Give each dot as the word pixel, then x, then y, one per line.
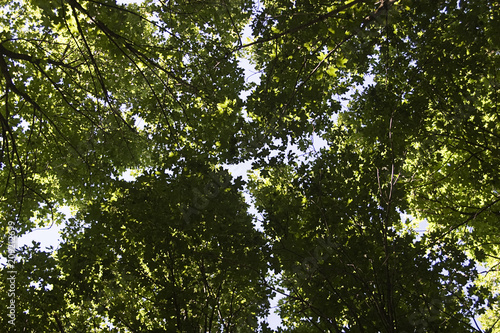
pixel 403 95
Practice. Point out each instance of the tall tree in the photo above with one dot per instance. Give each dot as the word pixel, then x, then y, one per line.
pixel 404 94
pixel 422 138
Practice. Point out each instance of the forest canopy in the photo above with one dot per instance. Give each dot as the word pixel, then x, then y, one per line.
pixel 371 203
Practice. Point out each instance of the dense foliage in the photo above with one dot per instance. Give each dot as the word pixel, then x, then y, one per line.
pixel 404 96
